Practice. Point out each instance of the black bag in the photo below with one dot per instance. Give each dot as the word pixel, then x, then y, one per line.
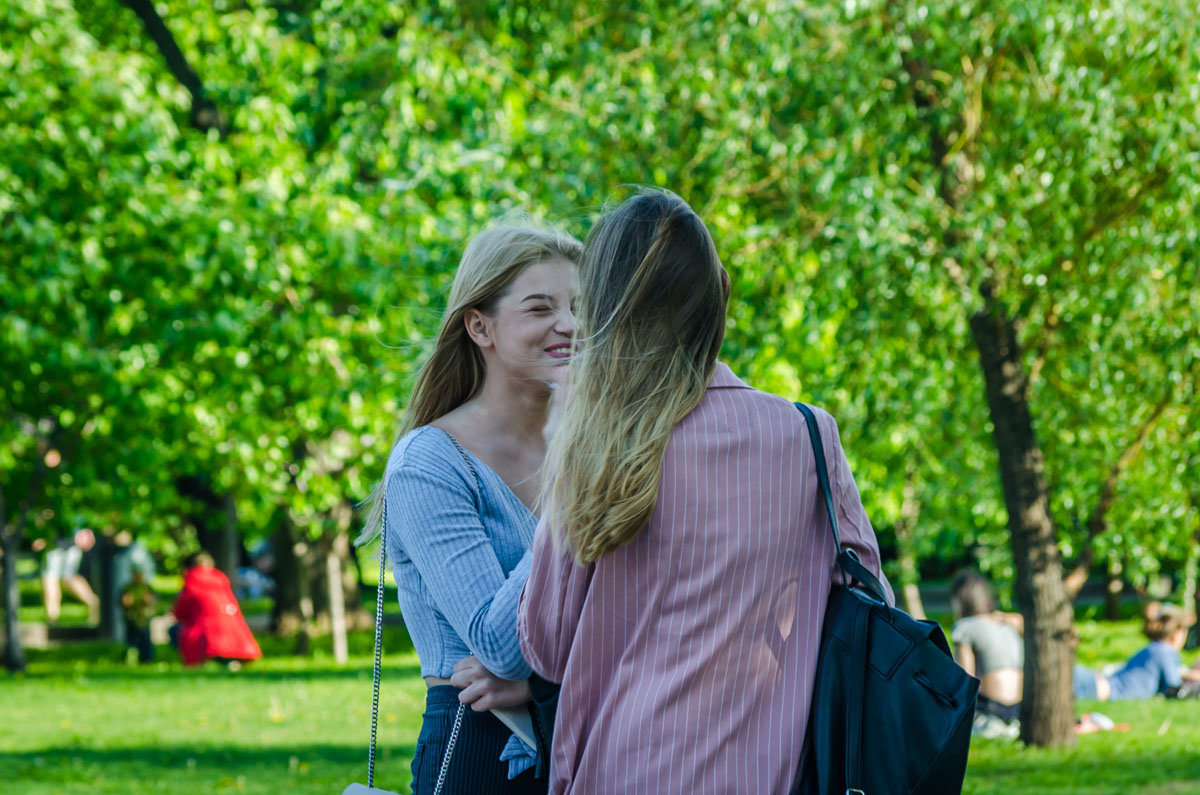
pixel 891 710
pixel 543 708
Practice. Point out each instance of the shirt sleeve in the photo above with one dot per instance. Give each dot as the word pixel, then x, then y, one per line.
pixel 853 525
pixel 960 634
pixel 551 605
pixel 433 519
pixel 1169 662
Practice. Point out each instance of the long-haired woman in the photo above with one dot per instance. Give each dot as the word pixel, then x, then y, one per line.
pixel 987 644
pixel 682 568
pixel 460 488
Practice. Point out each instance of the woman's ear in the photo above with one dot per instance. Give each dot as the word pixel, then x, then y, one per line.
pixel 479 328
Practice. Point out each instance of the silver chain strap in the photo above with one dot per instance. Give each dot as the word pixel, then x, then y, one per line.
pixel 378 644
pixel 437 790
pixel 379 652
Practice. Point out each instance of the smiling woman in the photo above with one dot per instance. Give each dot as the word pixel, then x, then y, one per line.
pixel 459 495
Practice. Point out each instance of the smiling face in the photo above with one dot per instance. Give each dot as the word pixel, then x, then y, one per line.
pixel 527 333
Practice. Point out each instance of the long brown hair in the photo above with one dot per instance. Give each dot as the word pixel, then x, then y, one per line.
pixel 454 372
pixel 650 323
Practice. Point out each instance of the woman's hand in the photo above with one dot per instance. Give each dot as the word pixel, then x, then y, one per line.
pixel 483 690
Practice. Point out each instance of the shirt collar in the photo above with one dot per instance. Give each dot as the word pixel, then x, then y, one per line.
pixel 724 378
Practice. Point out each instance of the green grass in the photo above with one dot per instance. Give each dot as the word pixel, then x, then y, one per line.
pixel 82 721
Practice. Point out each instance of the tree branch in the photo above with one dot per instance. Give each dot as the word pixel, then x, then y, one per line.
pixel 1097 521
pixel 204 115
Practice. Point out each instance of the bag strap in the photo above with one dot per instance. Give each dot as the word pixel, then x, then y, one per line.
pixel 466 458
pixel 378 641
pixel 856 675
pixel 375 676
pixel 847 560
pixel 379 644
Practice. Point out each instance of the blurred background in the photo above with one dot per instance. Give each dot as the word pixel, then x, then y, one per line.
pixel 227 228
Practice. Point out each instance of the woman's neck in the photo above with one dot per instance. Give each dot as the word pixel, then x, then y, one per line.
pixel 512 411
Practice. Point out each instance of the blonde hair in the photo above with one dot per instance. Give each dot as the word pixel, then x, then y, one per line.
pixel 454 372
pixel 650 323
pixel 1161 621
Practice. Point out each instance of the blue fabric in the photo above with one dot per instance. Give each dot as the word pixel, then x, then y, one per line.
pixel 473 767
pixel 459 544
pixel 1084 682
pixel 460 555
pixel 1151 671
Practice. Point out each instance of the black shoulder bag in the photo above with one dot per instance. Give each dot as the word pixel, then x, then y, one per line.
pixel 887 691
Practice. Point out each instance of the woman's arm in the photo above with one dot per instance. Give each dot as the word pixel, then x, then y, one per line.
pixel 965 656
pixel 551 605
pixel 483 690
pixel 853 524
pixel 433 519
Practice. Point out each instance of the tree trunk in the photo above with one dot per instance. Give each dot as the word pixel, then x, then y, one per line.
pixel 1194 632
pixel 215 522
pixel 229 543
pixel 10 545
pixel 906 552
pixel 285 612
pixel 1047 705
pixel 112 620
pixel 337 607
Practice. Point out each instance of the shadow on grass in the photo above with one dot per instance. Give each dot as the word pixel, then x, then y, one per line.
pixel 1087 770
pixel 226 757
pixel 106 659
pixel 174 768
pixel 310 672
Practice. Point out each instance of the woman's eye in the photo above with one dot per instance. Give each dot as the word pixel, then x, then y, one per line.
pixel 540 309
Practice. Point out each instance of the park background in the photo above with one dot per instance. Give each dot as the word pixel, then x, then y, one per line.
pixel 227 228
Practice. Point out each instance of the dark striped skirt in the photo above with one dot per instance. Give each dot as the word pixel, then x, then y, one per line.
pixel 475 766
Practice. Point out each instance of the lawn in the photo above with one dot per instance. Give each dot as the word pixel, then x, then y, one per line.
pixel 81 721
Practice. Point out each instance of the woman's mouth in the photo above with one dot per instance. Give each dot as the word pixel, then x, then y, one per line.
pixel 561 350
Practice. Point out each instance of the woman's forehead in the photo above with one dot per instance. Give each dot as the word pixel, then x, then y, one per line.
pixel 548 277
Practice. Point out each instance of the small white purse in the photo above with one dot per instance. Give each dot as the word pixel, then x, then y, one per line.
pixel 359 789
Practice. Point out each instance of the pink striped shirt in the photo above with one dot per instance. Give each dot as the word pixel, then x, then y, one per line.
pixel 687 656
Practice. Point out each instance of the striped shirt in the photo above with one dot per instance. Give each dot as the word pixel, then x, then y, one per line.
pixel 687 656
pixel 459 546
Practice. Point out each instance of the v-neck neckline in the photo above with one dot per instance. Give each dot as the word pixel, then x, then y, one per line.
pixel 481 463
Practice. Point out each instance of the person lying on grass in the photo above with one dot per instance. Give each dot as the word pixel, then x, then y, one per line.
pixel 1155 670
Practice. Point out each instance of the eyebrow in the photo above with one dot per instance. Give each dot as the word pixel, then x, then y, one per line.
pixel 538 296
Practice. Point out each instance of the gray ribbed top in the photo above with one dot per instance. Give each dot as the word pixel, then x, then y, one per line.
pixel 460 554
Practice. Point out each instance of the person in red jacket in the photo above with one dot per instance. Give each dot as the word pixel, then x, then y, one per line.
pixel 210 622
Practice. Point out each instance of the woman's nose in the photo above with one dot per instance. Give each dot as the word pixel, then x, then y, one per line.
pixel 566 323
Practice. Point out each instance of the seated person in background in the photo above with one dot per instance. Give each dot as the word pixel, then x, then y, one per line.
pixel 210 622
pixel 137 605
pixel 1155 670
pixel 62 568
pixel 987 644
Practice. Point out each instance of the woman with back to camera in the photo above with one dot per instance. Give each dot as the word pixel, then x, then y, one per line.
pixel 683 562
pixel 460 486
pixel 988 644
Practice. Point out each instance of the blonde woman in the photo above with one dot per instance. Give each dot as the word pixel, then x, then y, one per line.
pixel 682 565
pixel 460 489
